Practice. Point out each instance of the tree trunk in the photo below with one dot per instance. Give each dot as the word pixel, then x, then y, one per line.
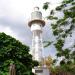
pixel 12 70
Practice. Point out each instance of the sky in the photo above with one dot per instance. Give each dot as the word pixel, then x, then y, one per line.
pixel 14 18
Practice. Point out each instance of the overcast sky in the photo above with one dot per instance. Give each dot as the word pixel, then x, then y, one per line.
pixel 14 17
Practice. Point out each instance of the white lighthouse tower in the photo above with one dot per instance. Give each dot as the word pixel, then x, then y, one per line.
pixel 36 24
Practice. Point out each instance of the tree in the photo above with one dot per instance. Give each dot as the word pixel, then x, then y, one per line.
pixel 14 52
pixel 47 61
pixel 62 28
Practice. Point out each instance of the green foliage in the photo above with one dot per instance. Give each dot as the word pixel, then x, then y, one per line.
pixel 55 32
pixel 62 29
pixel 59 44
pixel 47 43
pixel 46 5
pixel 67 1
pixel 51 18
pixel 58 8
pixel 13 51
pixel 52 12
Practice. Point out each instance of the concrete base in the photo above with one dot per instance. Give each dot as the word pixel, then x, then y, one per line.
pixel 41 71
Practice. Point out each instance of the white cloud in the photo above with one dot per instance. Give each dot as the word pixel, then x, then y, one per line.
pixel 14 15
pixel 8 31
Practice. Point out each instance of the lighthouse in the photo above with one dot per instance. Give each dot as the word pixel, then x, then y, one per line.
pixel 36 24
